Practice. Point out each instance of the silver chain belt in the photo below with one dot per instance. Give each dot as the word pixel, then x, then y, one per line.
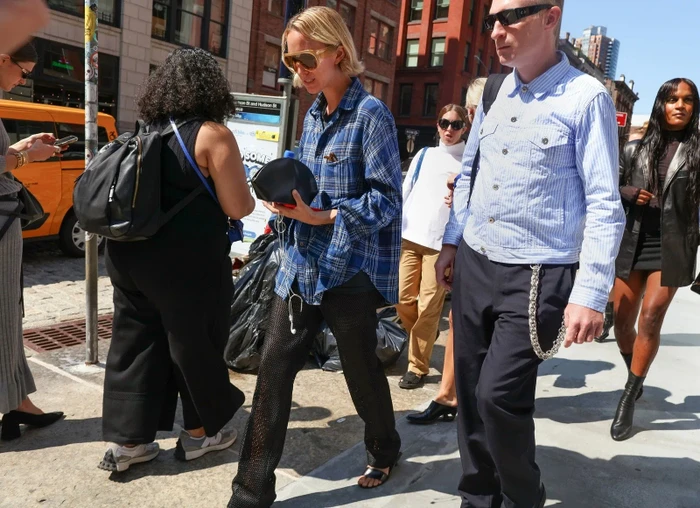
pixel 532 320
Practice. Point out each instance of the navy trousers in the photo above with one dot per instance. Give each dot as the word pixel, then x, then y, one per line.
pixel 496 374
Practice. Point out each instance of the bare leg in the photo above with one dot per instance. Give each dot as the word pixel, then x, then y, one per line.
pixel 447 394
pixel 656 302
pixel 628 299
pixel 27 406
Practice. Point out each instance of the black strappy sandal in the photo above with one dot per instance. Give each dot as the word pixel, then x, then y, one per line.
pixel 377 474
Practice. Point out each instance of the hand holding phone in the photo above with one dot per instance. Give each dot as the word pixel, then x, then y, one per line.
pixel 65 141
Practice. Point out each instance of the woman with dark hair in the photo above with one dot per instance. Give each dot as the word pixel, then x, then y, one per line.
pixel 424 217
pixel 660 189
pixel 16 381
pixel 172 292
pixel 340 256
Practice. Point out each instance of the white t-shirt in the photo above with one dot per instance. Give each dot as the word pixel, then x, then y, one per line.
pixel 425 213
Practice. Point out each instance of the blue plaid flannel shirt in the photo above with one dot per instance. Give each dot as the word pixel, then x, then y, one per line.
pixel 354 156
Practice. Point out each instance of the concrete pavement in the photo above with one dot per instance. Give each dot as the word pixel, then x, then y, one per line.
pixel 577 394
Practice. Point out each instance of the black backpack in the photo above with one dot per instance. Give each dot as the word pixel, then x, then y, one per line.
pixel 118 194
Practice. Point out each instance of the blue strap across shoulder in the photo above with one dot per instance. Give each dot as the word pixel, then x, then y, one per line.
pixel 418 166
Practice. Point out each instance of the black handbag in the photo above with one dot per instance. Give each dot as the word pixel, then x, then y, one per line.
pixel 275 181
pixel 32 215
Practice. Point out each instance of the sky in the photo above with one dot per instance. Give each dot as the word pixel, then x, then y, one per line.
pixel 659 40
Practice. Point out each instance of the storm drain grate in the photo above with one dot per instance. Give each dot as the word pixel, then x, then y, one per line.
pixel 71 333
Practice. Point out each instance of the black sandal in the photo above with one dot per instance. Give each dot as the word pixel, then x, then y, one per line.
pixel 377 474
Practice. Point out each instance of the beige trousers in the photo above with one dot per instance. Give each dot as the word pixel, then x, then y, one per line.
pixel 420 303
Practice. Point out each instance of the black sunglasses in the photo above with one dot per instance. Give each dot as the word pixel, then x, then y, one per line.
pixel 511 16
pixel 457 125
pixel 25 73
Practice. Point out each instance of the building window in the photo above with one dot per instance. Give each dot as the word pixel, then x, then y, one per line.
pixel 437 52
pixel 380 37
pixel 468 57
pixel 347 12
pixel 442 9
pixel 197 23
pixel 271 65
pixel 405 97
pixel 471 11
pixel 490 65
pixel 465 91
pixel 108 12
pixel 412 53
pixel 376 88
pixel 479 62
pixel 416 11
pixel 276 7
pixel 486 13
pixel 430 101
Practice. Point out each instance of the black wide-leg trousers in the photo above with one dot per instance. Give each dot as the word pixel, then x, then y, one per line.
pixel 496 374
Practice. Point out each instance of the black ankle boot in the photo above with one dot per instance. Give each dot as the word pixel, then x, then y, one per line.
pixel 607 323
pixel 622 423
pixel 627 357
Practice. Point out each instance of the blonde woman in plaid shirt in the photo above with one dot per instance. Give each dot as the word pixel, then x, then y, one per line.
pixel 341 256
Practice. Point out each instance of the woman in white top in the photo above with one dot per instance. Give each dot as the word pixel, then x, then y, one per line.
pixel 425 215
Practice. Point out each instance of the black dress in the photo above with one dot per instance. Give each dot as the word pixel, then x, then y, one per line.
pixel 648 254
pixel 172 297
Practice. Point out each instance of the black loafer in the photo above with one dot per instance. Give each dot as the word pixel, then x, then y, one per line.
pixel 435 412
pixel 411 380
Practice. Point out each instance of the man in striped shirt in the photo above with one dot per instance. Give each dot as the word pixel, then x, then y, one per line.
pixel 545 204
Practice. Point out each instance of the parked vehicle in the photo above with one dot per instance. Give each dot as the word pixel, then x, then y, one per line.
pixel 52 181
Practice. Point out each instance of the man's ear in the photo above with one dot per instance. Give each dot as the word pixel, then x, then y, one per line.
pixel 553 16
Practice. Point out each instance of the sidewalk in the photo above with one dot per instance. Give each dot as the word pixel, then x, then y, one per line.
pixel 577 394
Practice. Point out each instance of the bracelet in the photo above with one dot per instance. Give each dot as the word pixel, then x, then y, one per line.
pixel 22 158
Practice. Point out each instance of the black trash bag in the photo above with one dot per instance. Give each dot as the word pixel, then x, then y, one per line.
pixel 391 337
pixel 391 341
pixel 252 297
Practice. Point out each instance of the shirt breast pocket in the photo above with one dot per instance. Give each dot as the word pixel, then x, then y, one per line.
pixel 341 172
pixel 550 151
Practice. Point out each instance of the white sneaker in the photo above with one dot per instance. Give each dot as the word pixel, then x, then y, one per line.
pixel 189 448
pixel 120 458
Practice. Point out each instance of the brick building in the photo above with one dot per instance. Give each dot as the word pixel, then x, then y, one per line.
pixel 624 97
pixel 442 47
pixel 134 36
pixel 371 22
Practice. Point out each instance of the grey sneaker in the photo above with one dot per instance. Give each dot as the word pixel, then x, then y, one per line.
pixel 189 448
pixel 120 458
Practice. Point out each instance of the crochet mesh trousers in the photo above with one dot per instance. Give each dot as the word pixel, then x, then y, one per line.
pixel 353 321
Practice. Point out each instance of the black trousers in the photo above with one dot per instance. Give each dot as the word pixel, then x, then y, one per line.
pixel 171 323
pixel 353 320
pixel 496 374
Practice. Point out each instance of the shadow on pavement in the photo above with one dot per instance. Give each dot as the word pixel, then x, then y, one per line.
pixel 62 433
pixel 652 412
pixel 572 373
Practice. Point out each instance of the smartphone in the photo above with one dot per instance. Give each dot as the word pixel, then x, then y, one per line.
pixel 65 141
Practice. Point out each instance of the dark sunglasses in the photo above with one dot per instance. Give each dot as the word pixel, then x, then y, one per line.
pixel 455 124
pixel 25 73
pixel 511 16
pixel 307 59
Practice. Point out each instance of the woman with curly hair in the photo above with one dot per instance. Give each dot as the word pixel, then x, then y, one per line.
pixel 660 189
pixel 172 291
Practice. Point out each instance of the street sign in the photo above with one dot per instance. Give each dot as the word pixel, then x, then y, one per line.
pixel 621 119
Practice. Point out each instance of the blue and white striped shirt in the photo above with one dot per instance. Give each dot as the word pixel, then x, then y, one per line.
pixel 547 189
pixel 354 156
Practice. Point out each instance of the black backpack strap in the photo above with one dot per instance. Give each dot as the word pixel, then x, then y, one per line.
pixel 181 204
pixel 493 85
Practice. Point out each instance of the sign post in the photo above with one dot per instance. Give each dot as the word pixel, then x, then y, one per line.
pixel 258 126
pixel 91 52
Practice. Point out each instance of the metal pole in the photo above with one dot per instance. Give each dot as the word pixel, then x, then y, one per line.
pixel 284 115
pixel 91 52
